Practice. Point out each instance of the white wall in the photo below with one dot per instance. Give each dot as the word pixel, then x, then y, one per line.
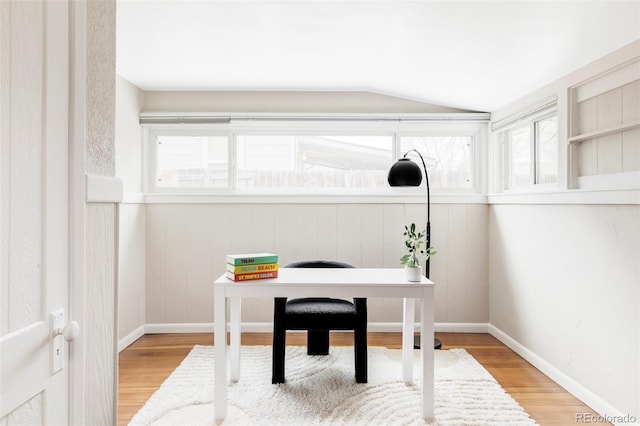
pixel 129 101
pixel 284 101
pixel 99 333
pixel 131 269
pixel 168 252
pixel 187 243
pixel 564 272
pixel 565 284
pixel 131 232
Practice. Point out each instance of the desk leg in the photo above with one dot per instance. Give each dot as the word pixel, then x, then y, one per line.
pixel 234 355
pixel 427 353
pixel 220 353
pixel 408 319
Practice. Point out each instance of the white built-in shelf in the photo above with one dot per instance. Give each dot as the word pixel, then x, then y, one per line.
pixel 604 132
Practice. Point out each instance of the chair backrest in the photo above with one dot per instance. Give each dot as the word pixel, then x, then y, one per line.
pixel 361 303
pixel 319 264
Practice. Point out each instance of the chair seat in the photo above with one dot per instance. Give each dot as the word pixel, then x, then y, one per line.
pixel 319 306
pixel 320 313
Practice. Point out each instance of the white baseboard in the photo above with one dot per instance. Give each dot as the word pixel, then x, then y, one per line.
pixel 441 327
pixel 462 327
pixel 204 327
pixel 606 410
pixel 267 327
pixel 130 338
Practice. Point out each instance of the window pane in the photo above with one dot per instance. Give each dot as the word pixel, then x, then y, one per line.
pixel 312 161
pixel 192 161
pixel 547 150
pixel 520 157
pixel 448 158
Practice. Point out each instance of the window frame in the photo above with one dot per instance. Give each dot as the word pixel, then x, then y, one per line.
pixel 477 129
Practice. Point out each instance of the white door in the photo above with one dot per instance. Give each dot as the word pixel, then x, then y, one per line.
pixel 34 211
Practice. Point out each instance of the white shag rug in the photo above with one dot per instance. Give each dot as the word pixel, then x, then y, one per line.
pixel 321 390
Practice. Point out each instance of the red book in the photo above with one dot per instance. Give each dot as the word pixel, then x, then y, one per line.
pixel 252 276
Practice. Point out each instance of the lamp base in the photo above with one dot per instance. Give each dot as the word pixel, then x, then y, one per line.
pixel 437 344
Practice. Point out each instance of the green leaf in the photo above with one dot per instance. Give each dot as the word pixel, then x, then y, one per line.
pixel 415 244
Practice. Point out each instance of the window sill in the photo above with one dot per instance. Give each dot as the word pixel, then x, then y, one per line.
pixel 604 197
pixel 139 198
pixel 572 196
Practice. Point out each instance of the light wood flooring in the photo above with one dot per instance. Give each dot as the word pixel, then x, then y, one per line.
pixel 146 363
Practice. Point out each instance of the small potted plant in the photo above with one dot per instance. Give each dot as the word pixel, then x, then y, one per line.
pixel 414 243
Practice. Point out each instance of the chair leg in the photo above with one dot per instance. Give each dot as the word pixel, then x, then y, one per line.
pixel 318 342
pixel 278 354
pixel 360 349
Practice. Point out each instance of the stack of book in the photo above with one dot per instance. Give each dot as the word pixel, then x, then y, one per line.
pixel 252 266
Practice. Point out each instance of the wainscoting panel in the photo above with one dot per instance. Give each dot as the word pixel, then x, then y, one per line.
pixel 131 268
pixel 186 246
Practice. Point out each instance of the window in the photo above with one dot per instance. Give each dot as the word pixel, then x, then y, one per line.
pixel 448 158
pixel 531 153
pixel 266 161
pixel 192 162
pixel 546 150
pixel 307 158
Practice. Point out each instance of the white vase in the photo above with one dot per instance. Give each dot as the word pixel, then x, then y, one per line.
pixel 414 274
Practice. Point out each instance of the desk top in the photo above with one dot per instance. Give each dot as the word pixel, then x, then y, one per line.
pixel 332 277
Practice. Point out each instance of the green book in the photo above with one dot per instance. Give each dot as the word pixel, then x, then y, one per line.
pixel 251 258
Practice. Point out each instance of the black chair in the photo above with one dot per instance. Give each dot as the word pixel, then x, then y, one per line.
pixel 318 316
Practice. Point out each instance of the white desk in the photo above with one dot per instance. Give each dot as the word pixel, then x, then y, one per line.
pixel 322 282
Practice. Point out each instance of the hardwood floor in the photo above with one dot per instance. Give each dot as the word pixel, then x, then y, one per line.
pixel 146 363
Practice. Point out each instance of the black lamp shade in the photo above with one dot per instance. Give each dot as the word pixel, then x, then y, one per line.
pixel 405 173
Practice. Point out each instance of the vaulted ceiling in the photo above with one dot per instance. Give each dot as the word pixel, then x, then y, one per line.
pixel 474 55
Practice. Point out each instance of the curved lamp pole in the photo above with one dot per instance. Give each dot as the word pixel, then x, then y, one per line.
pixel 407 173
